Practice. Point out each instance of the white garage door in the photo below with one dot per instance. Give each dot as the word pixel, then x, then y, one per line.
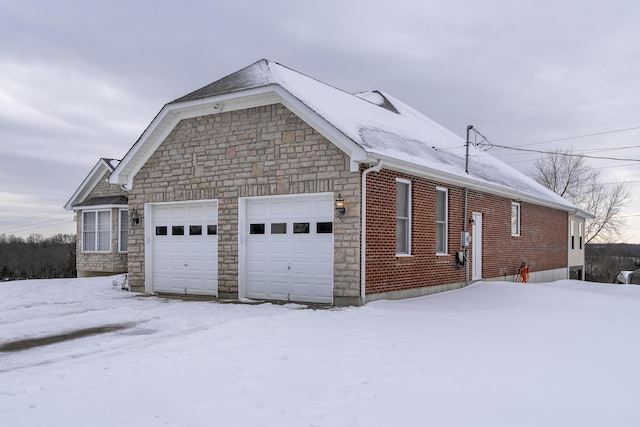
pixel 290 248
pixel 185 248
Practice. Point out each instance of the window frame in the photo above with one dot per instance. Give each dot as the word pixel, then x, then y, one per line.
pixel 580 234
pixel 407 219
pixel 96 231
pixel 445 222
pixel 573 235
pixel 518 223
pixel 120 239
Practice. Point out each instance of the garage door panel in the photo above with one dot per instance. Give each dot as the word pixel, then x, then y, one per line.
pixel 288 265
pixel 187 261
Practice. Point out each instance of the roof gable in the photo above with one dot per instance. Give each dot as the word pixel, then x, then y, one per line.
pixel 103 167
pixel 252 76
pixel 367 126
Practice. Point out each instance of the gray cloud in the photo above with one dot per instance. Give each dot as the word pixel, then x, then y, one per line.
pixel 81 80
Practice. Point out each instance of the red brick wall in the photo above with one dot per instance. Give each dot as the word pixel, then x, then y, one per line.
pixel 542 242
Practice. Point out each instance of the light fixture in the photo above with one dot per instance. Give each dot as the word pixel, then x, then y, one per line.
pixel 134 218
pixel 340 206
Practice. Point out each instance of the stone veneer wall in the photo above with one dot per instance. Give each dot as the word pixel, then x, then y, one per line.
pixel 99 263
pixel 260 151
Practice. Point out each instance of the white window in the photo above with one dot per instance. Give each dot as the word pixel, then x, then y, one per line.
pixel 442 214
pixel 96 231
pixel 573 235
pixel 403 217
pixel 123 227
pixel 515 219
pixel 580 225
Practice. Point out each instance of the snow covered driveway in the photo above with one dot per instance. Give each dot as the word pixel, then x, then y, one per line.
pixel 493 354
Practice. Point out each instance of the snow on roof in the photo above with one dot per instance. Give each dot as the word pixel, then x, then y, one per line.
pixel 381 125
pixel 103 166
pixel 407 136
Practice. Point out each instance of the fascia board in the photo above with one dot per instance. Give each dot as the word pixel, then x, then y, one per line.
pixel 121 173
pixel 88 184
pixel 584 214
pixel 425 172
pixel 171 114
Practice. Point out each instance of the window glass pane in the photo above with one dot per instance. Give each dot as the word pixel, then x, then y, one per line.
pixel 441 238
pixel 124 231
pixel 279 228
pixel 161 230
pixel 300 228
pixel 89 219
pixel 441 205
pixel 324 227
pixel 212 229
pixel 104 231
pixel 89 231
pixel 104 221
pixel 401 236
pixel 515 220
pixel 177 230
pixel 195 230
pixel 402 199
pixel 256 229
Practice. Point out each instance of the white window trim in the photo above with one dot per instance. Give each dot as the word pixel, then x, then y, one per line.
pixel 580 235
pixel 446 220
pixel 120 230
pixel 408 253
pixel 573 235
pixel 95 212
pixel 518 223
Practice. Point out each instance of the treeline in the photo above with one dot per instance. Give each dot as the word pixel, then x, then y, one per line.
pixel 604 261
pixel 37 257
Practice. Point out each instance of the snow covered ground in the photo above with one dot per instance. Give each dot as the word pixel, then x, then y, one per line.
pixel 492 354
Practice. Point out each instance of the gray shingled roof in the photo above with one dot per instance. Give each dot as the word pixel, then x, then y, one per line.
pixel 381 126
pixel 252 76
pixel 111 200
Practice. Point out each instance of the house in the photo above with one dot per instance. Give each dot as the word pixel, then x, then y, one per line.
pixel 102 223
pixel 577 243
pixel 269 184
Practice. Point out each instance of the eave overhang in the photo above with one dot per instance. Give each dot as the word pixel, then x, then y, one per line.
pixel 89 183
pixel 171 114
pixel 470 183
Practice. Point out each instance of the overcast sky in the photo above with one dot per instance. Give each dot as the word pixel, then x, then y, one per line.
pixel 80 80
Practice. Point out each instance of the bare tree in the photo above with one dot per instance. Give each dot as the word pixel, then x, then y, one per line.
pixel 568 174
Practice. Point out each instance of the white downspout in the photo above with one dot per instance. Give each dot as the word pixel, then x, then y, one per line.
pixel 363 230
